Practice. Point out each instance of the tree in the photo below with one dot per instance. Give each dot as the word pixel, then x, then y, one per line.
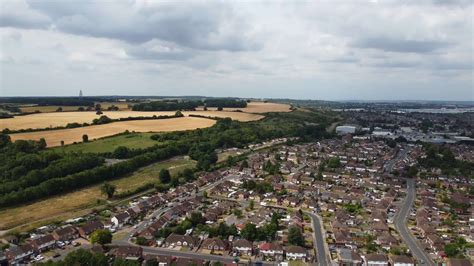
pixel 108 189
pixel 196 218
pixel 251 204
pixel 60 109
pixel 334 162
pixel 178 114
pixel 121 152
pixel 85 138
pixel 451 250
pixel 219 108
pixel 84 257
pixel 141 241
pixel 62 142
pixel 295 237
pixel 42 144
pixel 101 237
pixel 165 176
pixel 249 232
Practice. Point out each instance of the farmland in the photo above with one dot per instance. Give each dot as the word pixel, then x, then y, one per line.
pixel 109 144
pixel 44 120
pixel 54 137
pixel 53 108
pixel 70 204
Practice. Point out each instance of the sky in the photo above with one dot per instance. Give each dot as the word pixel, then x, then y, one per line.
pixel 325 50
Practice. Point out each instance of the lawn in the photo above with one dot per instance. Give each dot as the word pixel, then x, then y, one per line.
pixel 80 202
pixel 109 144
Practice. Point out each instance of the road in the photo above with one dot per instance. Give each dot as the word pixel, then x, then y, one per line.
pixel 401 155
pixel 320 242
pixel 402 228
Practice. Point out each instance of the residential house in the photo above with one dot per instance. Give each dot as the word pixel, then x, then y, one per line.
pixel 272 250
pixel 215 245
pixel 43 243
pixel 348 257
pixel 401 261
pixel 242 246
pixel 180 240
pixel 296 253
pixel 120 219
pixel 65 234
pixel 18 254
pixel 128 253
pixel 376 260
pixel 89 228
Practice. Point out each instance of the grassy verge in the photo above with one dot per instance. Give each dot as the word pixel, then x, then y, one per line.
pixel 81 201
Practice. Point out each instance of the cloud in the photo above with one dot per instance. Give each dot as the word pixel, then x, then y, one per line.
pixel 401 45
pixel 16 14
pixel 198 25
pixel 316 49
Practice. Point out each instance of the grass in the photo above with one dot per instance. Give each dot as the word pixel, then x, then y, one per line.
pixel 150 173
pixel 81 201
pixel 109 144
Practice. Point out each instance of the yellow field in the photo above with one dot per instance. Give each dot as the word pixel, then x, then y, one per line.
pixel 261 107
pixel 53 108
pixel 44 120
pixel 77 203
pixel 54 137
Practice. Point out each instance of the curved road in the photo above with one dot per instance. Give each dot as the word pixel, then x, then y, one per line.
pixel 401 225
pixel 320 242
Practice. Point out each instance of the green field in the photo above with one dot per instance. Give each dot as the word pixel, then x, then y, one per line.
pixel 81 201
pixel 109 144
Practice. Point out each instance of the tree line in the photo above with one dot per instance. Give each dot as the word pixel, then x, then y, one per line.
pixel 199 144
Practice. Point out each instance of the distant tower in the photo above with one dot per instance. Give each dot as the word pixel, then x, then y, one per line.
pixel 80 95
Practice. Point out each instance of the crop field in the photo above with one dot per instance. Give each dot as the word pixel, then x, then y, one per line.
pixel 109 144
pixel 53 108
pixel 54 137
pixel 73 204
pixel 44 120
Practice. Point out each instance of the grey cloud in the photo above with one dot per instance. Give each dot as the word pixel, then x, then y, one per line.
pixel 400 45
pixel 205 26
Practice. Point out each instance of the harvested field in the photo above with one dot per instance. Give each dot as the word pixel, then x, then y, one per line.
pixel 53 137
pixel 53 108
pixel 44 120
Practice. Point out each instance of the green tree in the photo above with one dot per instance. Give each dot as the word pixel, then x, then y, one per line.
pixel 101 237
pixel 178 114
pixel 85 138
pixel 295 237
pixel 451 250
pixel 84 257
pixel 249 232
pixel 121 152
pixel 334 163
pixel 165 176
pixel 108 189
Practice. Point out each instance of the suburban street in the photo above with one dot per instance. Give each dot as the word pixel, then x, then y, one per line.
pixel 401 226
pixel 320 242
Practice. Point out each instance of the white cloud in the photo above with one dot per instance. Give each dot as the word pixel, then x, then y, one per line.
pixel 360 50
